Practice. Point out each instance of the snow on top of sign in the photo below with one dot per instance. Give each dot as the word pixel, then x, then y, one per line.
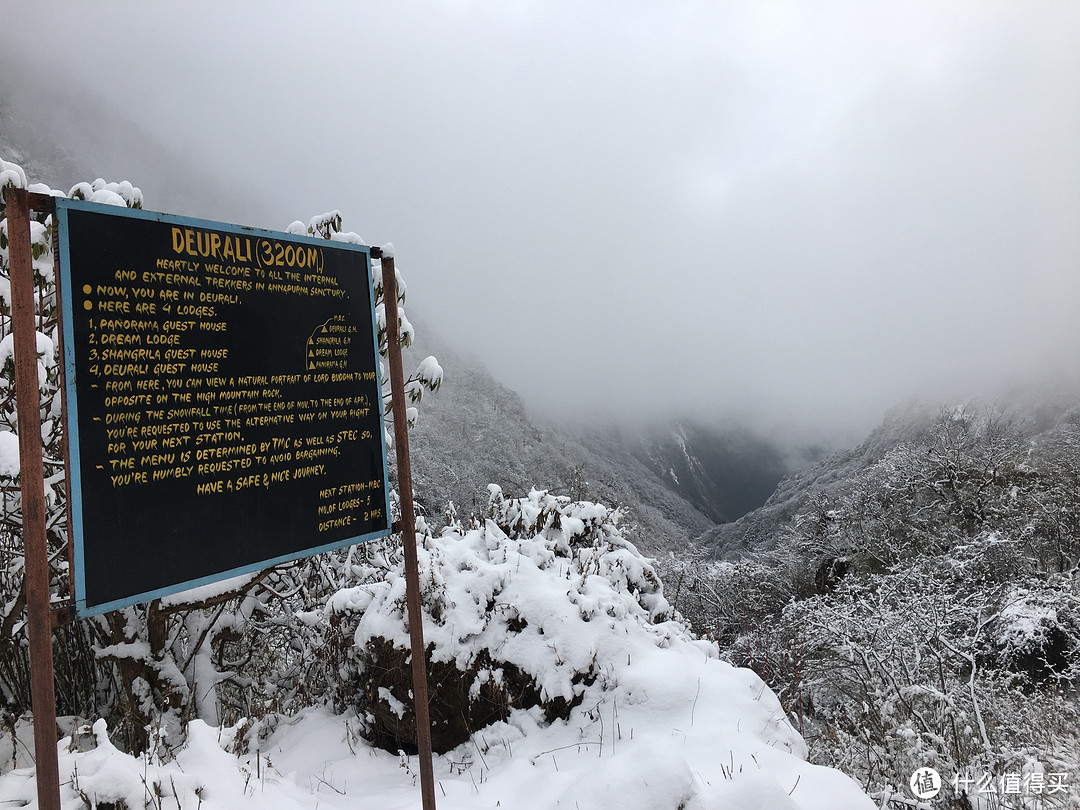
pixel 132 195
pixel 107 197
pixel 297 228
pixel 325 224
pixel 81 191
pixel 388 250
pixel 122 193
pixel 349 237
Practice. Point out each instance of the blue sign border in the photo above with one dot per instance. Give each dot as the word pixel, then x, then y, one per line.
pixel 71 415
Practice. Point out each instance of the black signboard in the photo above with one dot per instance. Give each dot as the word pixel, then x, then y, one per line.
pixel 224 407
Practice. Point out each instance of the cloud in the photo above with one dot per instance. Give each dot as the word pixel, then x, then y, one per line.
pixel 799 214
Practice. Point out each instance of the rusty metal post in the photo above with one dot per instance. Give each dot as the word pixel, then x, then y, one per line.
pixel 32 480
pixel 408 531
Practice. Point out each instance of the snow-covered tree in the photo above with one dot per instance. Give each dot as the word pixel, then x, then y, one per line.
pixel 926 612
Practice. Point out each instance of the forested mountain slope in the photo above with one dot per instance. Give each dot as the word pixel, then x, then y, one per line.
pixel 476 432
pixel 917 600
pixel 759 529
pixel 675 480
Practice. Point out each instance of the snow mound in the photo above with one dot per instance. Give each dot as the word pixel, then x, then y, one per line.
pixel 556 662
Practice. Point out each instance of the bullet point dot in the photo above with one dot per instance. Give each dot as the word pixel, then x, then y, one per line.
pixel 88 304
pixel 86 288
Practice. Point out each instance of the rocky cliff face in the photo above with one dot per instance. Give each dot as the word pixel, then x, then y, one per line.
pixel 723 472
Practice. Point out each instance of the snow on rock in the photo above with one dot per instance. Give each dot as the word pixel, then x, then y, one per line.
pixel 105 774
pixel 202 774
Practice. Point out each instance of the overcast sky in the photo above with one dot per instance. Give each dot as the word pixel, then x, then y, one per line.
pixel 802 213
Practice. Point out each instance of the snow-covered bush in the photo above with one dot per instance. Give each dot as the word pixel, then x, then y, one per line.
pixel 928 610
pixel 529 608
pixel 85 684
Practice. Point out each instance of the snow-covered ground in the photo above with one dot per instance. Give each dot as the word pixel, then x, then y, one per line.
pixel 681 730
pixel 545 587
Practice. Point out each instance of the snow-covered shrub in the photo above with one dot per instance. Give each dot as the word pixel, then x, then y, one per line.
pixel 528 609
pixel 85 684
pixel 953 636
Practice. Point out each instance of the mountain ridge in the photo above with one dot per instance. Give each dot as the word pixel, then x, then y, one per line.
pixel 675 480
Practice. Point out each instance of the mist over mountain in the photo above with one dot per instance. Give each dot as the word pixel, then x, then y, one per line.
pixel 724 470
pixel 1039 409
pixel 63 134
pixel 782 214
pixel 759 529
pixel 680 480
pixel 708 477
pixel 676 480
